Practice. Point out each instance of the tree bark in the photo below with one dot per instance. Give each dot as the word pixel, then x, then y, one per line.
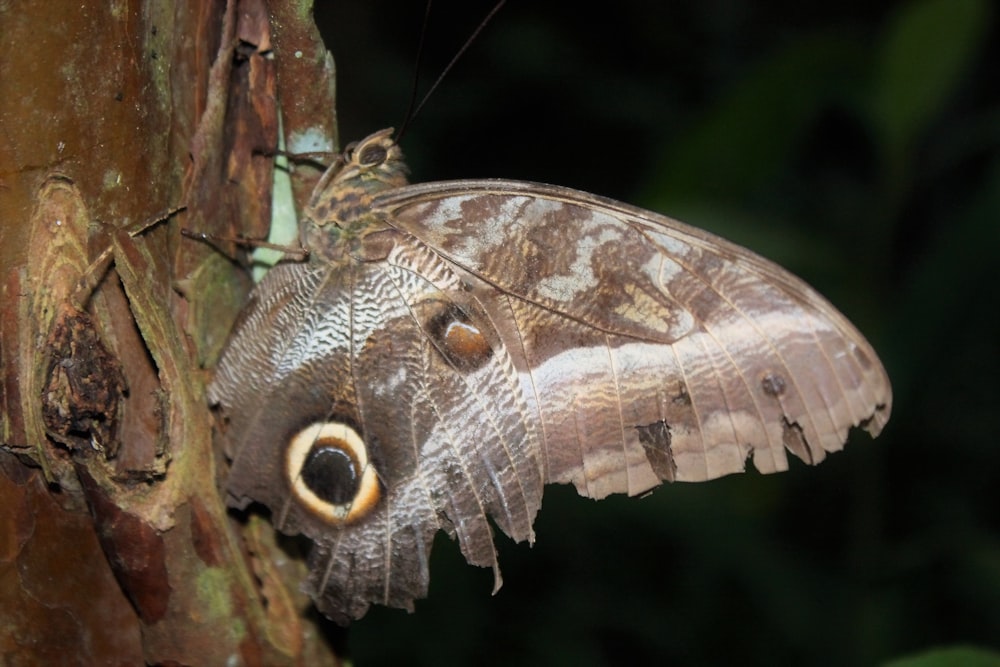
pixel 121 124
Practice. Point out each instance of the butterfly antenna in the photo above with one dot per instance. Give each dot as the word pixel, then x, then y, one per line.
pixel 412 112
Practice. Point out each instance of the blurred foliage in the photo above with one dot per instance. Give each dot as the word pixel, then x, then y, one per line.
pixel 856 144
pixel 958 656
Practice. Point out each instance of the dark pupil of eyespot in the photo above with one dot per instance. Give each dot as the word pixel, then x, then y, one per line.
pixel 372 155
pixel 331 474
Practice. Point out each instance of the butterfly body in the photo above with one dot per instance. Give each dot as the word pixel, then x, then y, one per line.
pixel 451 347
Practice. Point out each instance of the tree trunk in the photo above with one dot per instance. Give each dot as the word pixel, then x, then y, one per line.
pixel 120 124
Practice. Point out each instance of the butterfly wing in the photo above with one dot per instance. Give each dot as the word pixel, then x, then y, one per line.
pixel 649 350
pixel 479 338
pixel 364 416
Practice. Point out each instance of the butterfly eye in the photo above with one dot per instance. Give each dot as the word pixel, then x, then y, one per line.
pixel 329 471
pixel 349 150
pixel 372 156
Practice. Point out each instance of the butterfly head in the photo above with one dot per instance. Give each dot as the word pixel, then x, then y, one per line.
pixel 343 195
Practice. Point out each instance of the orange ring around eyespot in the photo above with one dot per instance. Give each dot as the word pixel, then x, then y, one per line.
pixel 298 449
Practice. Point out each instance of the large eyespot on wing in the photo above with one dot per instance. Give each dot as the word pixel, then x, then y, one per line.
pixel 653 350
pixel 329 472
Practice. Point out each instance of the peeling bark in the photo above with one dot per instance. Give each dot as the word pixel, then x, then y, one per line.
pixel 120 125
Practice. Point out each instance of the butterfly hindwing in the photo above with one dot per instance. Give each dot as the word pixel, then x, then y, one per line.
pixel 368 345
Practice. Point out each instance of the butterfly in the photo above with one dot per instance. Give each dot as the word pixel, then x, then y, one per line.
pixel 451 347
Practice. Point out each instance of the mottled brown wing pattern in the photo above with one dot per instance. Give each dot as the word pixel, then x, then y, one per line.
pixel 651 349
pixel 450 347
pixel 348 344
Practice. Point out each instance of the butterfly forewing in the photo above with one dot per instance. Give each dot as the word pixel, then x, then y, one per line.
pixel 653 350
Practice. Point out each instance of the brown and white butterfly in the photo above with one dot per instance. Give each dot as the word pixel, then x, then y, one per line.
pixel 451 347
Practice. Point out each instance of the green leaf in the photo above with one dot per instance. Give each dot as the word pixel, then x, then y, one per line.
pixel 926 51
pixel 955 656
pixel 754 127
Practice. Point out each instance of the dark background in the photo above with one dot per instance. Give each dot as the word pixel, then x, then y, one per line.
pixel 857 145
